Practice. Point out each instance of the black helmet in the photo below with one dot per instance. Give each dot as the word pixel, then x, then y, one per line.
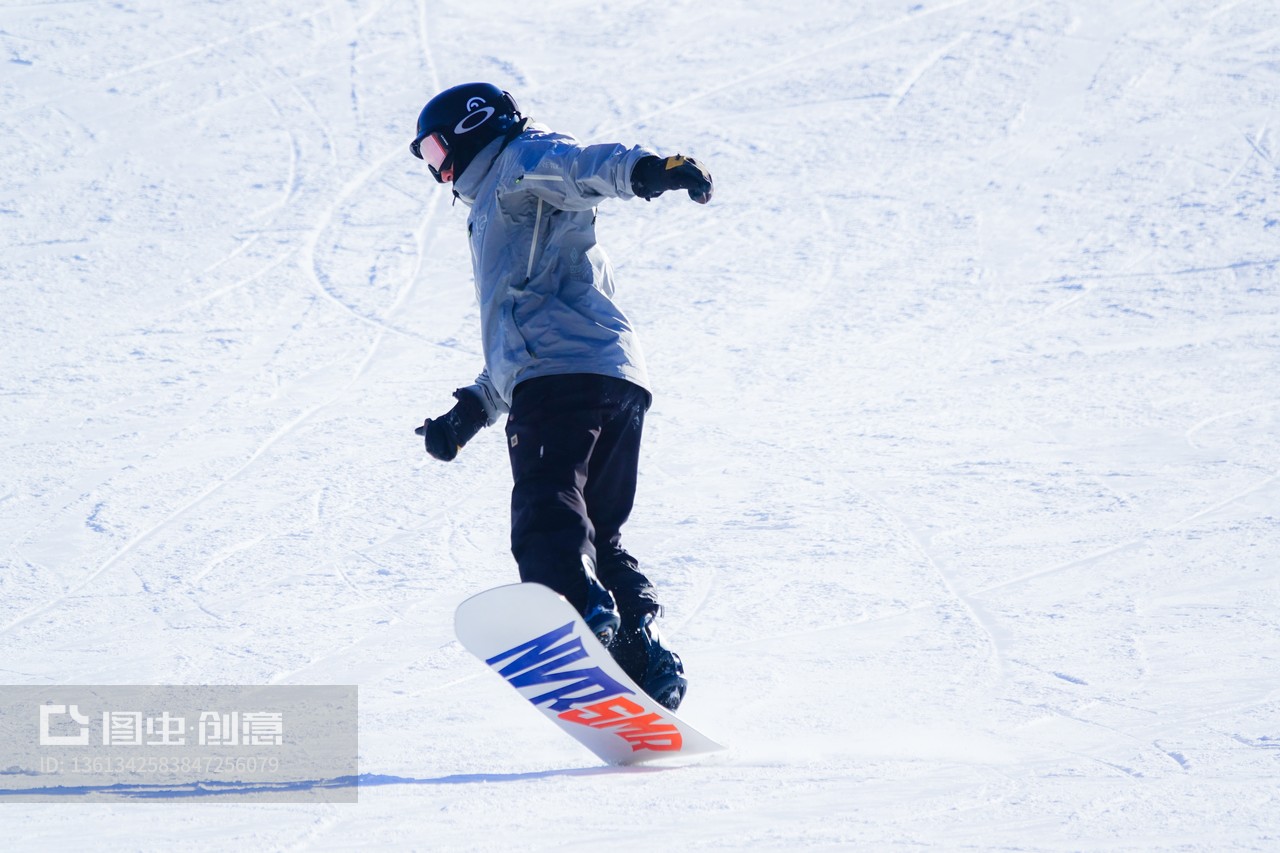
pixel 460 121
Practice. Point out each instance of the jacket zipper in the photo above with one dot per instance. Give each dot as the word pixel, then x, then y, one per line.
pixel 533 244
pixel 537 223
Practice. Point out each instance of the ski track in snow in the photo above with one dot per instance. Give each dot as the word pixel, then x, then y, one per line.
pixel 960 482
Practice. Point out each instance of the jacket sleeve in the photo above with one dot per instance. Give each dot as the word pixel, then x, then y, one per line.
pixel 573 177
pixel 489 396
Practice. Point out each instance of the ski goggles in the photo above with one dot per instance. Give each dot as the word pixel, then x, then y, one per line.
pixel 435 150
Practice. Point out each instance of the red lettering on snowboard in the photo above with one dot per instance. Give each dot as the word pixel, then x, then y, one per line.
pixel 641 730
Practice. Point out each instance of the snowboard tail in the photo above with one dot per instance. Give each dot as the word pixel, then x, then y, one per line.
pixel 539 644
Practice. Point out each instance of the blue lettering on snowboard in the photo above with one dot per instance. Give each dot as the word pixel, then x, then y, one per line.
pixel 543 659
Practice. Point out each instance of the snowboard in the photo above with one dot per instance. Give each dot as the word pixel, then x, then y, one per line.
pixel 536 641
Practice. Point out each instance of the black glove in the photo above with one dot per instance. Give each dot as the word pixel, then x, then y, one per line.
pixel 653 176
pixel 448 434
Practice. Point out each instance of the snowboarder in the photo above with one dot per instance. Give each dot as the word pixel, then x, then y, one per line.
pixel 561 360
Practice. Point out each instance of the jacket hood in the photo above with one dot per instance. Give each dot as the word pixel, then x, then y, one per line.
pixel 467 185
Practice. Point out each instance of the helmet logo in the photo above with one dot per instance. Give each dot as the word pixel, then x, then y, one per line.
pixel 478 113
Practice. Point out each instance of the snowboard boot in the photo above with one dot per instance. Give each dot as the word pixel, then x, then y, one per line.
pixel 601 612
pixel 640 652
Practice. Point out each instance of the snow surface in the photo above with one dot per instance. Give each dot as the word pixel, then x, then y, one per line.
pixel 962 481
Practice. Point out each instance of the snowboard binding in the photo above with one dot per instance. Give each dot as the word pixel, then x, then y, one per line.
pixel 640 652
pixel 601 612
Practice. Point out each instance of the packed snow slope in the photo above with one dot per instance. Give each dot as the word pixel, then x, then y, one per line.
pixel 961 482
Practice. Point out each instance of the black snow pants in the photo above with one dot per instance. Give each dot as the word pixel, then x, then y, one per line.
pixel 574 442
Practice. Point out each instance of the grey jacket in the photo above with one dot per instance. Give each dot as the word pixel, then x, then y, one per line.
pixel 544 286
